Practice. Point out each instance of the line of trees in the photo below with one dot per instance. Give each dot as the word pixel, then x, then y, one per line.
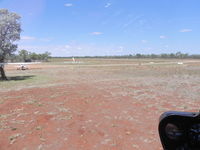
pixel 26 56
pixel 177 55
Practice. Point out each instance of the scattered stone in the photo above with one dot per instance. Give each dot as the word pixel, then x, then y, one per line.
pixel 40 147
pixel 135 146
pixel 105 141
pixel 128 133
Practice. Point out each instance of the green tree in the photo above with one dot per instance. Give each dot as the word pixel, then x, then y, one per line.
pixel 33 56
pixel 24 54
pixel 46 56
pixel 138 56
pixel 164 55
pixel 179 55
pixel 10 29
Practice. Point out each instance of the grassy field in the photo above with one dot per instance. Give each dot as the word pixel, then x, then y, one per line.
pixel 97 104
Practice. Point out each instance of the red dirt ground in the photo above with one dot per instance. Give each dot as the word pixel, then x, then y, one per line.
pixel 72 121
pixel 106 115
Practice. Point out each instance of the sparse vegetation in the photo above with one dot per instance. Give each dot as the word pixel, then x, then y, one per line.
pixel 63 102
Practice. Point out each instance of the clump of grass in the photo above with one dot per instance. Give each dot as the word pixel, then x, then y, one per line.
pixel 38 128
pixel 1 101
pixel 18 121
pixel 13 129
pixel 33 102
pixel 62 109
pixel 13 138
pixel 68 117
pixel 4 116
pixel 30 102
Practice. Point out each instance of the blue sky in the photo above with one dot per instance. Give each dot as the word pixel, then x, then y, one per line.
pixel 108 27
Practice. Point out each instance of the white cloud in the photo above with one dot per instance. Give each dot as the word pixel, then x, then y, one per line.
pixel 27 38
pixel 31 38
pixel 67 46
pixel 108 5
pixel 166 46
pixel 163 37
pixel 75 49
pixel 45 39
pixel 79 48
pixel 55 50
pixel 30 14
pixel 186 30
pixel 96 33
pixel 68 5
pixel 134 20
pixel 120 49
pixel 144 41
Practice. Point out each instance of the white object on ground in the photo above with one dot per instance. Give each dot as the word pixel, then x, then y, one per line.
pixel 180 63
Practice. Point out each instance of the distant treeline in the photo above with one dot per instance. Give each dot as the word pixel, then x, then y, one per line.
pixel 26 56
pixel 177 55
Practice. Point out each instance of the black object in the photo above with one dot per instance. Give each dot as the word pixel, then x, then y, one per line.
pixel 180 131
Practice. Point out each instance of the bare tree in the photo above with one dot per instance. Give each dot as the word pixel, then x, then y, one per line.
pixel 10 29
